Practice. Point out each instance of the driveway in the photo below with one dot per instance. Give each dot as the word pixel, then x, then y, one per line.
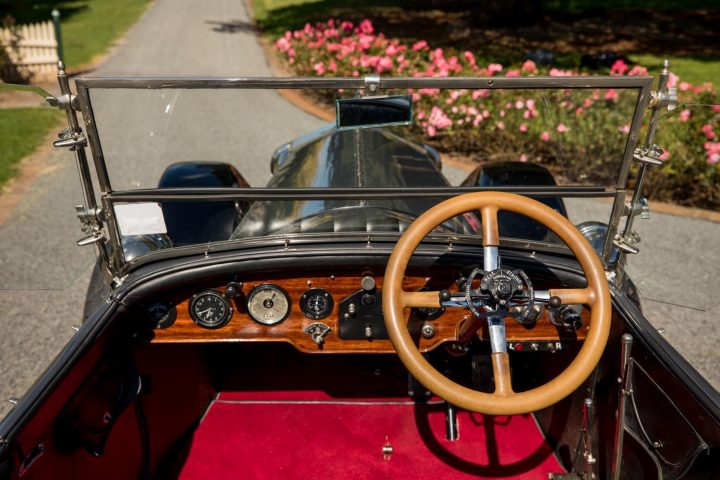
pixel 43 275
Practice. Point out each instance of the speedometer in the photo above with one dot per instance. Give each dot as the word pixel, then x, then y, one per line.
pixel 268 304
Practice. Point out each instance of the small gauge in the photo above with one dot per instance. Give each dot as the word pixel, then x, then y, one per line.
pixel 161 314
pixel 210 309
pixel 316 303
pixel 268 304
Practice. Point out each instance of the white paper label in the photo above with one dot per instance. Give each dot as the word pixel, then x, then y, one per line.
pixel 140 218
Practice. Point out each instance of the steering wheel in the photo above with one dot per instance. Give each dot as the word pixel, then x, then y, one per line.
pixel 503 401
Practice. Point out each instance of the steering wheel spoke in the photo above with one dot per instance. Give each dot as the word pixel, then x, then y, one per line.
pixel 491 235
pixel 574 296
pixel 501 373
pixel 424 299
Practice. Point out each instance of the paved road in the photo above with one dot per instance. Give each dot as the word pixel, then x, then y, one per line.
pixel 43 275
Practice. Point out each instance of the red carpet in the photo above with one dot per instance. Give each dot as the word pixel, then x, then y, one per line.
pixel 311 435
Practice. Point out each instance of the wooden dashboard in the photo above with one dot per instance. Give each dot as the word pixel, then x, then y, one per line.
pixel 449 326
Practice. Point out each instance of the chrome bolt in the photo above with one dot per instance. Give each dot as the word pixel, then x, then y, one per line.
pixel 428 331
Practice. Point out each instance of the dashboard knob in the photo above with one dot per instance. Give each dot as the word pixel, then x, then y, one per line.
pixel 367 283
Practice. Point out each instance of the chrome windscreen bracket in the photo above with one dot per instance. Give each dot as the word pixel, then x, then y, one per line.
pixel 372 85
pixel 647 154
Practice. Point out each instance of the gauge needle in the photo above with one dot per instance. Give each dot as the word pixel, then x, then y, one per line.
pixel 204 312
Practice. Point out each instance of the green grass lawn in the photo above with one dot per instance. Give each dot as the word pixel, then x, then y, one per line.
pixel 694 70
pixel 21 131
pixel 89 27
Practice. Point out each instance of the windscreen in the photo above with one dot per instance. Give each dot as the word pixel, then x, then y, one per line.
pixel 280 139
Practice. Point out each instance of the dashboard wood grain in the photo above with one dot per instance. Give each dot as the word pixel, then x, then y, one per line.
pixel 448 327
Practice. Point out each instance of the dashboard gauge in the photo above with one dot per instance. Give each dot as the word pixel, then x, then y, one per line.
pixel 161 314
pixel 210 309
pixel 316 303
pixel 268 304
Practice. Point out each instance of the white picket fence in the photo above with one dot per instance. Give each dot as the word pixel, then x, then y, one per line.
pixel 33 56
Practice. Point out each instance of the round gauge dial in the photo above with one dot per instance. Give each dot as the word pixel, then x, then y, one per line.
pixel 210 309
pixel 316 303
pixel 161 314
pixel 268 304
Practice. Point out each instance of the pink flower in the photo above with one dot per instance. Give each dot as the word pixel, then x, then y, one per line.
pixel 385 63
pixel 485 114
pixel 438 118
pixel 529 66
pixel 500 125
pixel 319 68
pixel 664 156
pixel 685 86
pixel 619 67
pixel 519 104
pixel 707 129
pixel 530 103
pixel 611 95
pixel 513 73
pixel 346 26
pixel 561 128
pixel 523 127
pixel 431 130
pixel 494 68
pixel 421 45
pixel 638 71
pixel 470 58
pixel 391 51
pixel 579 111
pixel 283 44
pixel 366 27
pixel 523 158
pixel 673 80
pixel 545 136
pixel 712 150
pixel 685 115
pixel 624 129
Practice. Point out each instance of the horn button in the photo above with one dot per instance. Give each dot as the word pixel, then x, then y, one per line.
pixel 501 284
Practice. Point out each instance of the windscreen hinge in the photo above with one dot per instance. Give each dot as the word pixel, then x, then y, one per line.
pixel 70 139
pixel 649 155
pixel 91 225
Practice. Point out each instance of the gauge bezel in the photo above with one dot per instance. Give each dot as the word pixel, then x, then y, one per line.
pixel 169 318
pixel 265 286
pixel 305 297
pixel 201 322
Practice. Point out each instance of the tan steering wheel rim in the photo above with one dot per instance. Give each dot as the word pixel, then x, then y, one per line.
pixel 504 401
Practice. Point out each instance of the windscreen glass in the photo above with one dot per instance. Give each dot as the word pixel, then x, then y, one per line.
pixel 228 138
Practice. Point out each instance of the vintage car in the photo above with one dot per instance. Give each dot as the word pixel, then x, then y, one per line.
pixel 359 316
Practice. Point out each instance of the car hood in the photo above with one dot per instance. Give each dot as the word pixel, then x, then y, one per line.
pixel 345 159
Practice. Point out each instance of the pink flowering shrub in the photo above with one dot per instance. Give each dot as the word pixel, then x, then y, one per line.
pixel 557 128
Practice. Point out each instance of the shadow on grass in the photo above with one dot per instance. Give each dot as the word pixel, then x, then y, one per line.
pixel 31 12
